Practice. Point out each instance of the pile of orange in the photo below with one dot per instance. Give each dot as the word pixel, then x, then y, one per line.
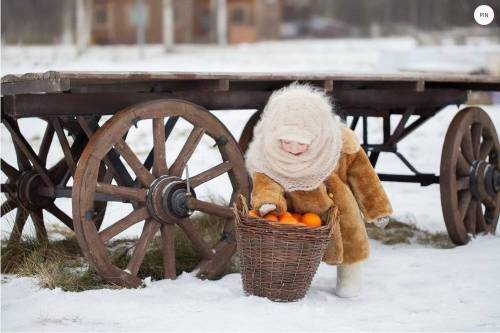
pixel 307 219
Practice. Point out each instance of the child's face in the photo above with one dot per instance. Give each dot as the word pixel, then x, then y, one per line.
pixel 293 147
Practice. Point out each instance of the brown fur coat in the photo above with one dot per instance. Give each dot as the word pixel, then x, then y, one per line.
pixel 353 187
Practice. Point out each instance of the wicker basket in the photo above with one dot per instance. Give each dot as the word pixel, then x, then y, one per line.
pixel 278 261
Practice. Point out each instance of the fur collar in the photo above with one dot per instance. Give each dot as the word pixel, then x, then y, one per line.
pixel 350 142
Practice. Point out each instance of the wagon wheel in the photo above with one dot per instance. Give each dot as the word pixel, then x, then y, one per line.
pixel 470 176
pixel 247 133
pixel 160 197
pixel 32 188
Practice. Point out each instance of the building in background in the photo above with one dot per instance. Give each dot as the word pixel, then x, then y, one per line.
pixel 86 22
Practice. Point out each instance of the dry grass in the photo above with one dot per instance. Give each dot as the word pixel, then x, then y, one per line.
pixel 401 233
pixel 61 264
pixel 58 264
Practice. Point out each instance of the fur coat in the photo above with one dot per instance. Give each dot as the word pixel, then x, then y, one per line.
pixel 353 187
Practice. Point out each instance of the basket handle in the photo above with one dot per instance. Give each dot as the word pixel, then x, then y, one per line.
pixel 240 208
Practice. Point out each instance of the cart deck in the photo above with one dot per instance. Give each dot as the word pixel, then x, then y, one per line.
pixel 72 103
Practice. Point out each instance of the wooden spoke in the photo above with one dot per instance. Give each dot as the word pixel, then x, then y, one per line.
pixel 467 148
pixel 22 162
pixel 187 151
pixel 144 176
pixel 41 232
pixel 68 156
pixel 9 188
pixel 169 126
pixel 168 250
pixel 229 222
pixel 463 167
pixel 65 178
pixel 129 193
pixel 485 149
pixel 134 217
pixel 7 206
pixel 210 208
pixel 9 170
pixel 488 201
pixel 464 199
pixel 112 160
pixel 481 225
pixel 46 142
pixel 151 227
pixel 62 216
pixel 203 249
pixel 210 174
pixel 108 176
pixel 463 183
pixel 470 218
pixel 17 230
pixel 476 132
pixel 26 149
pixel 160 162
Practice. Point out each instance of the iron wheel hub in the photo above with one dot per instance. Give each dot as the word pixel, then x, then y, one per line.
pixel 167 199
pixel 484 179
pixel 28 187
pixel 492 180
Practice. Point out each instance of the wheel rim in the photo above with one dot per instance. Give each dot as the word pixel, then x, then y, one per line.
pixel 158 197
pixel 28 186
pixel 247 133
pixel 469 176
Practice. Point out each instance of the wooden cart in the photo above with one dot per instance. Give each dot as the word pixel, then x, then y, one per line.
pixel 99 159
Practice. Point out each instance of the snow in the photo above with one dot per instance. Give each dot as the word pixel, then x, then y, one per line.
pixel 405 288
pixel 408 287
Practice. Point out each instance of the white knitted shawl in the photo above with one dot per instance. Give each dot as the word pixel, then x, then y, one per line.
pixel 301 113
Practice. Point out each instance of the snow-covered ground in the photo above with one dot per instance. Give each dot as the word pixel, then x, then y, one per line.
pixel 407 287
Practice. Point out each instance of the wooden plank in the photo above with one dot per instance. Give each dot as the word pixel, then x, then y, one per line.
pixel 58 81
pixel 159 75
pixel 35 86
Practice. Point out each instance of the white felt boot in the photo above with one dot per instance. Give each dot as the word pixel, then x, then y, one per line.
pixel 348 280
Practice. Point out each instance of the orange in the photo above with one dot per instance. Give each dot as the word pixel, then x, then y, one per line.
pixel 311 220
pixel 298 217
pixel 287 217
pixel 271 217
pixel 253 213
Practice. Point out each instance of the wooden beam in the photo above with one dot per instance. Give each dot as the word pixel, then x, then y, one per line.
pixel 105 104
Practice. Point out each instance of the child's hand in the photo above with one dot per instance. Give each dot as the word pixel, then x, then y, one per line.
pixel 382 222
pixel 266 208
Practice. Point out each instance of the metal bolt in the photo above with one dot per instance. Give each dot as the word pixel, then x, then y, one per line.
pixel 89 215
pixel 135 121
pixel 220 141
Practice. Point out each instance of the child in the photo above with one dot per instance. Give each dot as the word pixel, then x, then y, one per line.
pixel 303 160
